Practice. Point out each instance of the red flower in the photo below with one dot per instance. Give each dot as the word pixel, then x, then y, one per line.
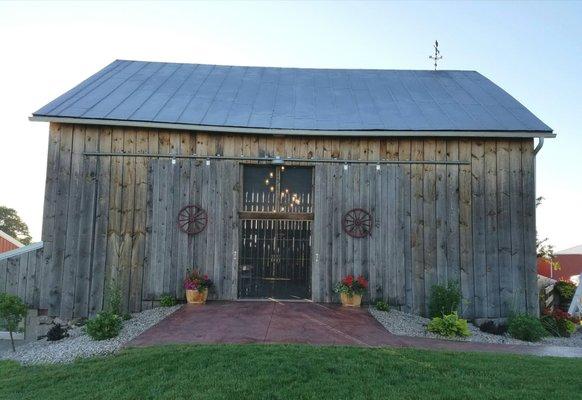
pixel 348 280
pixel 362 281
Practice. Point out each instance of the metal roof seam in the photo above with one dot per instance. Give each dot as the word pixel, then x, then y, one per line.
pixel 294 99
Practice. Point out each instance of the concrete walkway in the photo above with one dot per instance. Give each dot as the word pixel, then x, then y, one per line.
pixel 299 322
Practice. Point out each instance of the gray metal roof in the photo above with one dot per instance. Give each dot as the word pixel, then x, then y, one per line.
pixel 136 92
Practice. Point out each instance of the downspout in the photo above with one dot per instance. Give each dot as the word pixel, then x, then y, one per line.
pixel 536 151
pixel 539 146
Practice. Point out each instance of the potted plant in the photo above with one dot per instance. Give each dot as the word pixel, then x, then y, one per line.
pixel 566 290
pixel 196 286
pixel 351 290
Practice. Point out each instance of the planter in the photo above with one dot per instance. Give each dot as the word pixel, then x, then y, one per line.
pixel 354 300
pixel 565 305
pixel 196 296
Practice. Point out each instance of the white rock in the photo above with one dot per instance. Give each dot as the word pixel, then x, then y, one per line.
pixel 80 345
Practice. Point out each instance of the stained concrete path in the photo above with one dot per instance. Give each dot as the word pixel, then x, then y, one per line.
pixel 303 322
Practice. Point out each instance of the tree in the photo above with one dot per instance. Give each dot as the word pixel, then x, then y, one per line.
pixel 12 310
pixel 11 224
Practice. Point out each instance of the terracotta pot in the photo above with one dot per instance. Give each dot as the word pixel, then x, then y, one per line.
pixel 354 300
pixel 196 296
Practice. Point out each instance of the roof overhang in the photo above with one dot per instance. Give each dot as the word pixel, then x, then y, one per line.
pixel 295 132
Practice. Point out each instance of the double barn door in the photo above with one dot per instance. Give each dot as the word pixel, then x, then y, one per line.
pixel 276 232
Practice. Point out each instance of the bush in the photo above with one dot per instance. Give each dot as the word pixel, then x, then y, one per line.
pixel 525 327
pixel 105 325
pixel 57 332
pixel 114 305
pixel 493 328
pixel 381 305
pixel 12 311
pixel 566 290
pixel 559 323
pixel 449 325
pixel 444 299
pixel 168 300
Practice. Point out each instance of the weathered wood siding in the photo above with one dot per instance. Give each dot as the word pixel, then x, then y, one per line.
pixel 21 273
pixel 113 218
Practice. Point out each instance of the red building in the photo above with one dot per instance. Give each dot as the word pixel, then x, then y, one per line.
pixel 570 264
pixel 8 243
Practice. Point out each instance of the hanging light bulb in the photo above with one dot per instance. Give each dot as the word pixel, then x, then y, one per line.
pixel 173 160
pixel 266 181
pixel 282 168
pixel 378 167
pixel 286 191
pixel 272 188
pixel 270 175
pixel 345 166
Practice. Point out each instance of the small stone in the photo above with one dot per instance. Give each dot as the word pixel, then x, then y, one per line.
pixel 80 345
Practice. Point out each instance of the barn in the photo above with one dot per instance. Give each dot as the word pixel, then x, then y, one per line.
pixel 276 182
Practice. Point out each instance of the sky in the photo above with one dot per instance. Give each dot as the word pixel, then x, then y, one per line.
pixel 533 50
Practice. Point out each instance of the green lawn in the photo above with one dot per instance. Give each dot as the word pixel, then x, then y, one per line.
pixel 296 372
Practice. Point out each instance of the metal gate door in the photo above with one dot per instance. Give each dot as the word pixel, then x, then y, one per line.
pixel 275 235
pixel 274 259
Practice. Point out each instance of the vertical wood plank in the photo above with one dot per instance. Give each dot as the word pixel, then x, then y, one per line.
pixel 58 255
pixel 441 208
pixel 417 229
pixel 517 223
pixel 529 215
pixel 491 239
pixel 504 228
pixel 478 217
pixel 99 258
pixel 466 230
pixel 49 212
pixel 429 221
pixel 86 222
pixel 453 213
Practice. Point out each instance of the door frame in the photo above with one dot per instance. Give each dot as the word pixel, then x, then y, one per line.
pixel 244 215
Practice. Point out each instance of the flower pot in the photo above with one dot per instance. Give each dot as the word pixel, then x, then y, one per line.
pixel 196 296
pixel 354 300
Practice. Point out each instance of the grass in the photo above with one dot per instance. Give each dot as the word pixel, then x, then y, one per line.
pixel 295 372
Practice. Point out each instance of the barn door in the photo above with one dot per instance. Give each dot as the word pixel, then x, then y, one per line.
pixel 275 233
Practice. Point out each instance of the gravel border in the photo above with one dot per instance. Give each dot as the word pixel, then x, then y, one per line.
pixel 80 345
pixel 405 324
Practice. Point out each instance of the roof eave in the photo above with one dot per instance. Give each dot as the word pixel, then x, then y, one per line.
pixel 295 132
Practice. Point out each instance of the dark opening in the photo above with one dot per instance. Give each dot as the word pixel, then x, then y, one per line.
pixel 275 237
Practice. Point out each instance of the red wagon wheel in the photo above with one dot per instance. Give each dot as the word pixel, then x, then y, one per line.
pixel 357 223
pixel 192 219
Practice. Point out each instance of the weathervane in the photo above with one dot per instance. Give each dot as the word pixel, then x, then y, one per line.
pixel 437 54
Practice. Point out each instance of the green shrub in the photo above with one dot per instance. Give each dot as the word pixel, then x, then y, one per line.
pixel 168 300
pixel 558 322
pixel 105 325
pixel 525 327
pixel 550 325
pixel 381 305
pixel 449 325
pixel 566 289
pixel 444 299
pixel 12 311
pixel 114 305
